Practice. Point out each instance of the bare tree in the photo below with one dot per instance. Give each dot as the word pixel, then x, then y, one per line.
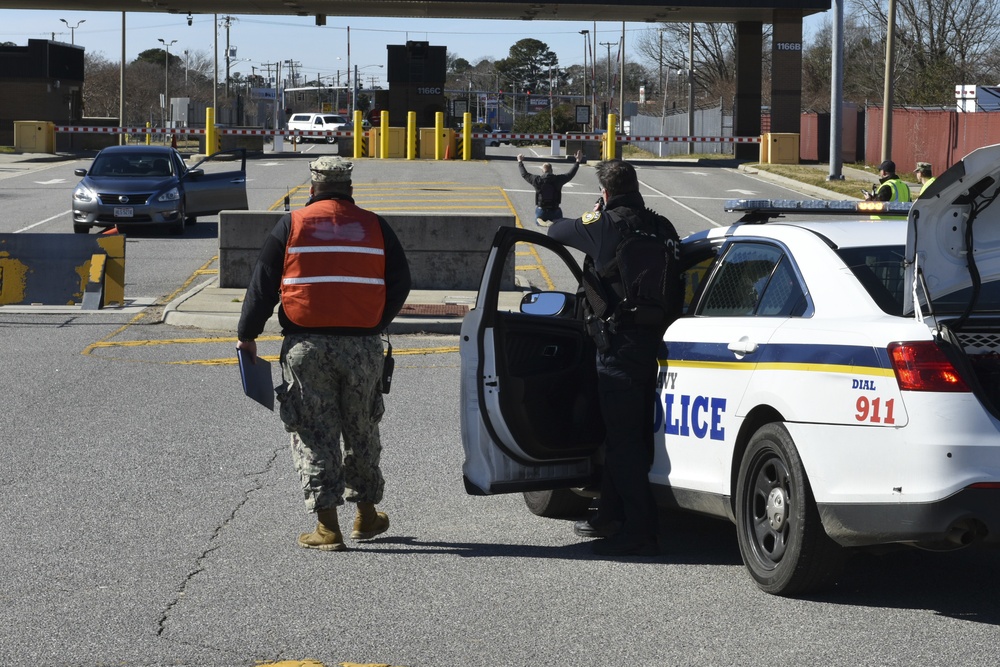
pixel 666 49
pixel 864 53
pixel 101 86
pixel 940 43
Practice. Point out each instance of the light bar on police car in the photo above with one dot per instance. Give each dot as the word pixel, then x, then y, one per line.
pixel 817 206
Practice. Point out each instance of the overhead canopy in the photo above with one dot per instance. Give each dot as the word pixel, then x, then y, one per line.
pixel 684 11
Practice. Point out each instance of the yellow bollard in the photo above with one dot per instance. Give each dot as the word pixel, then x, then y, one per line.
pixel 438 138
pixel 467 136
pixel 411 135
pixel 149 135
pixel 611 137
pixel 383 138
pixel 211 132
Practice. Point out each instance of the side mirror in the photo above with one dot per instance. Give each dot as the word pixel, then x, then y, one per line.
pixel 548 303
pixel 79 172
pixel 194 173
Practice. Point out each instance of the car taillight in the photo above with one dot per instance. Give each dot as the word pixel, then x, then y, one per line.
pixel 922 366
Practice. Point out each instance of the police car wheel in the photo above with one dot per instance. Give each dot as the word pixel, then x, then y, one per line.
pixel 781 538
pixel 556 503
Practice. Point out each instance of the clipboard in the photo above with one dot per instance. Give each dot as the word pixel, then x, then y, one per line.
pixel 256 378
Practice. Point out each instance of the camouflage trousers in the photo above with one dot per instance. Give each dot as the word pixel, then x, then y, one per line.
pixel 331 390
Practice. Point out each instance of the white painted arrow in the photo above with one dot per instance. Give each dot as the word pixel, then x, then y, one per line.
pixel 748 193
pixel 52 182
pixel 696 173
pixel 270 164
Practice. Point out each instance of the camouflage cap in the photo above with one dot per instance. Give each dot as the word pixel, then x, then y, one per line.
pixel 331 169
pixel 922 165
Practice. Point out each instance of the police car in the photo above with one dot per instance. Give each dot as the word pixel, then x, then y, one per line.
pixel 830 385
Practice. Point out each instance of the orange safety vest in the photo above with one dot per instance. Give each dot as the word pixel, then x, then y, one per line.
pixel 334 273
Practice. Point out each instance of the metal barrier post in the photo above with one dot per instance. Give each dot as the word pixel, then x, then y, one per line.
pixel 611 137
pixel 411 135
pixel 211 131
pixel 384 134
pixel 359 135
pixel 467 136
pixel 438 138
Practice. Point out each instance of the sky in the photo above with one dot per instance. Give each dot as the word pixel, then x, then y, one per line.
pixel 319 50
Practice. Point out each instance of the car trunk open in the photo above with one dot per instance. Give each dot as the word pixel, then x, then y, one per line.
pixel 953 268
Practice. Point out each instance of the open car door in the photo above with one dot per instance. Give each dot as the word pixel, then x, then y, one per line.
pixel 530 414
pixel 217 183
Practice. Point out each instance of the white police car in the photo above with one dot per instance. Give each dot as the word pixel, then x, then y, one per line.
pixel 831 385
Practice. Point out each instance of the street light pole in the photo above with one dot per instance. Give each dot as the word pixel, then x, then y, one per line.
pixel 72 30
pixel 166 79
pixel 608 87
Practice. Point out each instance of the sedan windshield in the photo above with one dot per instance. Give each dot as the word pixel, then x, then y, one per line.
pixel 139 165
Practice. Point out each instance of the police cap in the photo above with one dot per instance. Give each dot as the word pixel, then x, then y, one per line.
pixel 888 167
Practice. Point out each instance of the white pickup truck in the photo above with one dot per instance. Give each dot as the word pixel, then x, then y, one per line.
pixel 318 122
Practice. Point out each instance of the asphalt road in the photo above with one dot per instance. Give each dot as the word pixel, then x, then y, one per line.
pixel 150 510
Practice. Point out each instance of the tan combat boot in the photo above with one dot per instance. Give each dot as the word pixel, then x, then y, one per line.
pixel 369 523
pixel 327 535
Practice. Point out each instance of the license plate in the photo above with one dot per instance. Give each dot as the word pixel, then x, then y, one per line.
pixel 123 211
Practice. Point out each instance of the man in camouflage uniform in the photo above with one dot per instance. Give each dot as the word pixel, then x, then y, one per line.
pixel 341 276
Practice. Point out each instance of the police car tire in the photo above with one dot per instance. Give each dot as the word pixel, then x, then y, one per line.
pixel 798 556
pixel 556 503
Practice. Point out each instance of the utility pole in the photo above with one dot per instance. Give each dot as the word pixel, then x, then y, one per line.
pixel 227 21
pixel 268 67
pixel 890 66
pixel 293 71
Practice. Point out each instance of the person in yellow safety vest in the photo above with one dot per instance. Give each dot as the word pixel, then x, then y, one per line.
pixel 891 187
pixel 924 177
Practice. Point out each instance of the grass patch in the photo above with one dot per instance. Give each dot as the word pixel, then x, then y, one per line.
pixel 6 149
pixel 817 177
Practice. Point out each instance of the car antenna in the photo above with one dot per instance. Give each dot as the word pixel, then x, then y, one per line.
pixel 287 200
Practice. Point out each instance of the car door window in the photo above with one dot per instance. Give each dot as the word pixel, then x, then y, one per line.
pixel 754 279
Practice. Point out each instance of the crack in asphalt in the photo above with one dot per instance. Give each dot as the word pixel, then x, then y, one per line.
pixel 212 545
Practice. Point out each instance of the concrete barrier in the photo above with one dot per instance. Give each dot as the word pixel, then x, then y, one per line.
pixel 445 250
pixel 55 269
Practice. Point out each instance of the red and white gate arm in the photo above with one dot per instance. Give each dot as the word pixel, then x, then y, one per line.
pixel 503 136
pixel 512 136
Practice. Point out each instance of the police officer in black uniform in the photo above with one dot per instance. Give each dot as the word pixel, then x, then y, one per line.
pixel 626 368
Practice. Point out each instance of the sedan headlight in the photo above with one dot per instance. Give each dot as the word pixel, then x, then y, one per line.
pixel 173 194
pixel 84 195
